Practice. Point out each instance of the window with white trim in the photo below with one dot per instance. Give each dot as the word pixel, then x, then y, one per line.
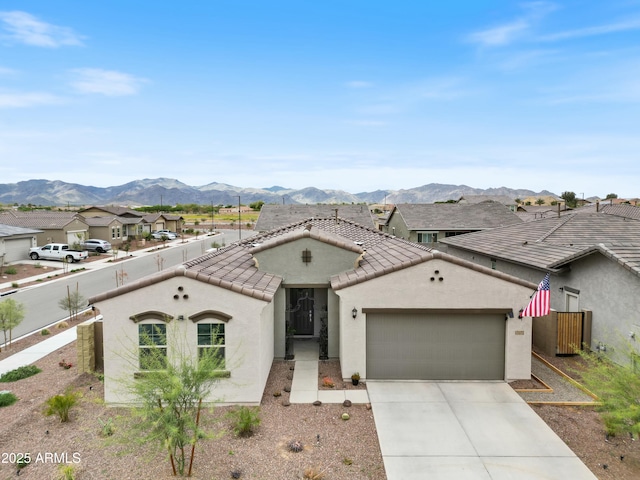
pixel 211 339
pixel 152 346
pixel 427 237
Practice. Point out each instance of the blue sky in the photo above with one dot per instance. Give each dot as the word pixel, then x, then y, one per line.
pixel 351 95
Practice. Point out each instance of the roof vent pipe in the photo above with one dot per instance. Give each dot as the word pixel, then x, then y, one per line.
pixel 597 206
pixel 336 210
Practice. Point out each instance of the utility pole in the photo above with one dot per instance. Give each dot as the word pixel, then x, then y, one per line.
pixel 213 229
pixel 239 221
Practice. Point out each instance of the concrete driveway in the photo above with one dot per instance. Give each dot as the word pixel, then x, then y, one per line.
pixel 464 431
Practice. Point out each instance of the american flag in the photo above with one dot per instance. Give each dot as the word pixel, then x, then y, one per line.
pixel 539 304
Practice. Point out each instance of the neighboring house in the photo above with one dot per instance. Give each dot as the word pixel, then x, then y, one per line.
pixel 505 200
pixel 134 223
pixel 57 227
pixel 387 308
pixel 164 221
pixel 276 216
pixel 109 228
pixel 15 243
pixel 529 213
pixel 243 209
pixel 594 260
pixel 429 223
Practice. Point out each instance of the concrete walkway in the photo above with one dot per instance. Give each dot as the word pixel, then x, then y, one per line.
pixel 466 431
pixel 39 350
pixel 304 387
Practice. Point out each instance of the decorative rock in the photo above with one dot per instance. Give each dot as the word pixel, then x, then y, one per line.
pixel 277 394
pixel 286 403
pixel 287 389
pixel 346 403
pixel 368 406
pixel 317 403
pixel 345 416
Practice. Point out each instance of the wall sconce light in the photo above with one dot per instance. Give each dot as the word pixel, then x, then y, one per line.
pixel 180 317
pixel 354 312
pixel 510 314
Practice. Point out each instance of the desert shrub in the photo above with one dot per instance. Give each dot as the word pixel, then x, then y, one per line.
pixel 10 270
pixel 7 398
pixel 61 404
pixel 313 473
pixel 245 420
pixel 66 472
pixel 15 284
pixel 44 332
pixel 106 428
pixel 19 373
pixel 63 325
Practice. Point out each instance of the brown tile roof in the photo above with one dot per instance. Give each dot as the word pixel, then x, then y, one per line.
pixel 548 244
pixel 114 210
pixel 10 231
pixel 42 220
pixel 234 267
pixel 276 216
pixel 455 216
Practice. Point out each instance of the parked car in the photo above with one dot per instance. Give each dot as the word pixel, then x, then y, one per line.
pixel 164 233
pixel 96 245
pixel 57 251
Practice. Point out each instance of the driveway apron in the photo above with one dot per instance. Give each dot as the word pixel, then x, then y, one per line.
pixel 465 431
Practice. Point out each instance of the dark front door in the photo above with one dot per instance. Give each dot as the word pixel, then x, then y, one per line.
pixel 302 310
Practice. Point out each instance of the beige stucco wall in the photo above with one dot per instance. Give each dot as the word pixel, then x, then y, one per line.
pixel 461 288
pixel 249 335
pixel 286 261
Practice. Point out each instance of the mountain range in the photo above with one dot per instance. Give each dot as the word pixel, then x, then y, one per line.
pixel 169 191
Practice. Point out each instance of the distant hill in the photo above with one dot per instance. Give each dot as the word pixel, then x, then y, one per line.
pixel 168 191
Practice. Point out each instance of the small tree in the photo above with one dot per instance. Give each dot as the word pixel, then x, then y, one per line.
pixel 611 195
pixel 72 302
pixel 618 387
pixel 11 315
pixel 540 201
pixel 570 199
pixel 169 396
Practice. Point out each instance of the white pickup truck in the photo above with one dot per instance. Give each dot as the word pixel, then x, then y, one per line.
pixel 57 251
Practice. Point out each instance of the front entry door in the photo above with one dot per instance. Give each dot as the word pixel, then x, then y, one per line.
pixel 302 310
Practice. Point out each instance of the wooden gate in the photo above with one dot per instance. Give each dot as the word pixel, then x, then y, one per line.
pixel 570 329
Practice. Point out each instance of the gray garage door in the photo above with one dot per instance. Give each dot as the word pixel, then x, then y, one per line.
pixel 435 346
pixel 17 249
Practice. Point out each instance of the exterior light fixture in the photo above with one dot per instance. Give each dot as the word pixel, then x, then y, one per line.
pixel 354 312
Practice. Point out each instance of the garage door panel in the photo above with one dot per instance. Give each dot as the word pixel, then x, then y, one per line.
pixel 435 347
pixel 17 249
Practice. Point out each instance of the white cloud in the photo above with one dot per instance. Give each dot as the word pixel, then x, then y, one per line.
pixel 593 31
pixel 105 82
pixel 30 99
pixel 509 32
pixel 23 27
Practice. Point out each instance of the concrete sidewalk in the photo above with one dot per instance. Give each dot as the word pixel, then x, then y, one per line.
pixel 39 350
pixel 304 387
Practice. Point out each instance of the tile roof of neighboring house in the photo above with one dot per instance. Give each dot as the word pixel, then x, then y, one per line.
pixel 503 199
pixel 114 210
pixel 43 220
pixel 276 216
pixel 621 210
pixel 550 243
pixel 10 231
pixel 152 217
pixel 234 268
pixel 456 216
pixel 107 220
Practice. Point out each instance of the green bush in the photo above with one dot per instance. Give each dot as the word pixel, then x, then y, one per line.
pixel 19 373
pixel 14 285
pixel 44 332
pixel 61 404
pixel 66 472
pixel 7 398
pixel 10 270
pixel 245 420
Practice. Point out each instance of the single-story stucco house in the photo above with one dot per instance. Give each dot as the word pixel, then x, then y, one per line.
pixel 385 307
